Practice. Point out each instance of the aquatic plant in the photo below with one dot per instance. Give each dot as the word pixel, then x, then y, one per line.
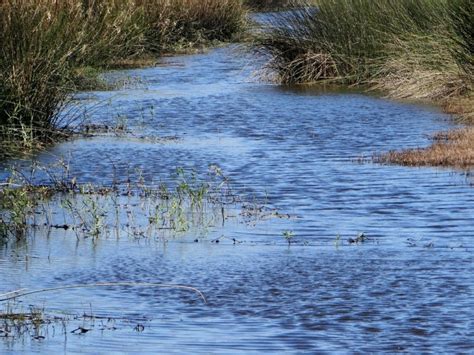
pixel 361 238
pixel 288 235
pixel 17 322
pixel 18 201
pixel 136 208
pixel 455 148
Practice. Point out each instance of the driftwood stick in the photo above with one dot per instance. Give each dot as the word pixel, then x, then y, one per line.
pixel 23 292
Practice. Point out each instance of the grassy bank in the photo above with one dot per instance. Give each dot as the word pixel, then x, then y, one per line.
pixel 43 45
pixel 450 149
pixel 376 43
pixel 410 49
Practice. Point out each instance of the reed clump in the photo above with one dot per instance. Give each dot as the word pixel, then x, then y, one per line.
pixel 44 43
pixel 171 26
pixel 408 48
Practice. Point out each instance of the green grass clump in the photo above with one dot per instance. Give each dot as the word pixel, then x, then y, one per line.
pixel 42 42
pixel 45 43
pixel 409 48
pixel 36 45
pixel 180 24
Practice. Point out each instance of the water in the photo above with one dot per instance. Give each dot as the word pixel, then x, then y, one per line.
pixel 409 288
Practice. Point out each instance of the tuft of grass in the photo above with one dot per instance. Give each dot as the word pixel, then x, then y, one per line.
pixel 45 44
pixel 41 44
pixel 454 148
pixel 408 48
pixel 289 236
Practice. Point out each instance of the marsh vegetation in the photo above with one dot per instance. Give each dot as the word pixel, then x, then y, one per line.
pixel 134 209
pixel 409 49
pixel 45 45
pixel 93 229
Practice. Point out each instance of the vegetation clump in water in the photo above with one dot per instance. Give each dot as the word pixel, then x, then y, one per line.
pixel 454 148
pixel 136 209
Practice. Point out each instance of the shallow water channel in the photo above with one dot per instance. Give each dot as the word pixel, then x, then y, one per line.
pixel 409 287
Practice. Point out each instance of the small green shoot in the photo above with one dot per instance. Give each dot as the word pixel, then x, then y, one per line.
pixel 288 235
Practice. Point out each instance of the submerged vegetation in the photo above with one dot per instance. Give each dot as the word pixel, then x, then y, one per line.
pixel 45 44
pixel 135 209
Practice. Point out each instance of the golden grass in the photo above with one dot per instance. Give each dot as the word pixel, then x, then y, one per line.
pixel 449 149
pixel 462 107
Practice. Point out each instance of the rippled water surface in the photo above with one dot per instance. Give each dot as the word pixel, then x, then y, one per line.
pixel 409 288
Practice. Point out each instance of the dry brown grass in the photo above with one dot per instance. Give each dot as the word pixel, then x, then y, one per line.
pixel 454 148
pixel 422 67
pixel 449 149
pixel 462 107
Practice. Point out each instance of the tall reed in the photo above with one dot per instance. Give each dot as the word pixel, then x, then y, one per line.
pixel 43 42
pixel 37 42
pixel 177 24
pixel 410 48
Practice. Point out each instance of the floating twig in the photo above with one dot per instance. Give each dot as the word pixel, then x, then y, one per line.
pixel 22 292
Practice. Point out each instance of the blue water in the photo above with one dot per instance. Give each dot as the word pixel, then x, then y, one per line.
pixel 303 151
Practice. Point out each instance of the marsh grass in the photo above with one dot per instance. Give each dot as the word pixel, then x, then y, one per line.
pixel 44 44
pixel 41 43
pixel 454 148
pixel 171 26
pixel 136 209
pixel 19 322
pixel 36 323
pixel 407 48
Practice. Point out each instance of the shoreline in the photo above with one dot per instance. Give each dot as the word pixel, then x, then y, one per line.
pixel 453 148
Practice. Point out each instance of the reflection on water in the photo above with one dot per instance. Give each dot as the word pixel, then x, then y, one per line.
pixel 409 288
